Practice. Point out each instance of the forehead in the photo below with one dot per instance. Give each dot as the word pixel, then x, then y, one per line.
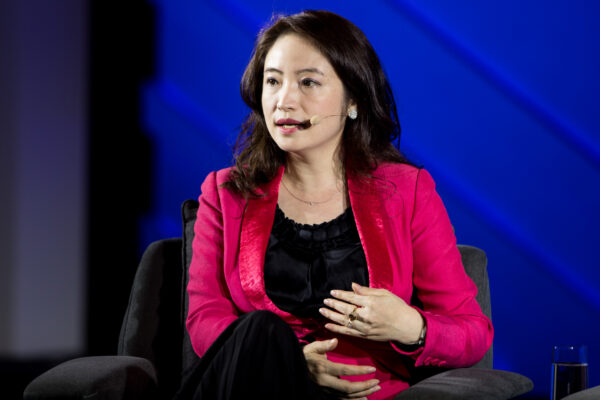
pixel 293 51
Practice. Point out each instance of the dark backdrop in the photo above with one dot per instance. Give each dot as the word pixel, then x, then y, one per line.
pixel 121 58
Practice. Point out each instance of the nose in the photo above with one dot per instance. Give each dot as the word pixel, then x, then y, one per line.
pixel 287 97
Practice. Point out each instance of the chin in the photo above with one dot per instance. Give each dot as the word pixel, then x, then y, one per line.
pixel 288 147
pixel 285 142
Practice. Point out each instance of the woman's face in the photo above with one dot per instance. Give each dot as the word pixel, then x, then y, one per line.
pixel 299 83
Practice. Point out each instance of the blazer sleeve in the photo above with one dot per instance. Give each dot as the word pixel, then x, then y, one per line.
pixel 211 309
pixel 458 333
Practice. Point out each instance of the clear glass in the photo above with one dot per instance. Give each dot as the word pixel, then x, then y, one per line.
pixel 569 370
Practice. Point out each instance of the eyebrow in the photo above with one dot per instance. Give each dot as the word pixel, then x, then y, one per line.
pixel 300 71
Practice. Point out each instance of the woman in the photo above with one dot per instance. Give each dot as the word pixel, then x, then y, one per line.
pixel 307 253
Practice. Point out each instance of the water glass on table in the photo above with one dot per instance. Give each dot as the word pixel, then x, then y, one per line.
pixel 569 370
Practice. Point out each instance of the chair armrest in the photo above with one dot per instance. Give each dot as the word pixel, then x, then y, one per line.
pixel 587 394
pixel 469 383
pixel 104 377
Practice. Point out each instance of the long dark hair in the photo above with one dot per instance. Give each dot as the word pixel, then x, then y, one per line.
pixel 365 142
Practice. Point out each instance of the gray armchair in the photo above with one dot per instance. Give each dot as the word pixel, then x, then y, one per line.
pixel 154 348
pixel 592 393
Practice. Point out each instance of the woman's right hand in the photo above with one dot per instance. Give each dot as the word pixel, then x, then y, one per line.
pixel 326 373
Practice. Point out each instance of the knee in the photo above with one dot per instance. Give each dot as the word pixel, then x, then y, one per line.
pixel 263 317
pixel 267 322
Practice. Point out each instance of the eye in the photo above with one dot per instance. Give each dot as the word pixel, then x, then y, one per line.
pixel 307 82
pixel 269 81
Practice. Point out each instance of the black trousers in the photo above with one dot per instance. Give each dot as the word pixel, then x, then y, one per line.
pixel 257 356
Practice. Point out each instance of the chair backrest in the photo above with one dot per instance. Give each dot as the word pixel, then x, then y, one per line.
pixel 189 210
pixel 475 262
pixel 154 324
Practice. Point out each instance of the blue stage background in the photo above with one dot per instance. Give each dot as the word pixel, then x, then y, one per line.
pixel 498 100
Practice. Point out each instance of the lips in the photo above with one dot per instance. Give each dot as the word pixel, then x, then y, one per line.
pixel 288 123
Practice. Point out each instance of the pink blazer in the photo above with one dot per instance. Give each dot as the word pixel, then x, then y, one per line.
pixel 408 243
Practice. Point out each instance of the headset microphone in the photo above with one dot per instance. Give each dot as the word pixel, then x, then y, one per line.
pixel 316 119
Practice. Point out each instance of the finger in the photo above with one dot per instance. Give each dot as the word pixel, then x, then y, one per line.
pixel 341 306
pixel 339 369
pixel 364 393
pixel 332 315
pixel 344 330
pixel 350 297
pixel 347 387
pixel 367 291
pixel 343 320
pixel 320 346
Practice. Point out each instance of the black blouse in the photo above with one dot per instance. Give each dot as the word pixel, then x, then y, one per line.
pixel 303 263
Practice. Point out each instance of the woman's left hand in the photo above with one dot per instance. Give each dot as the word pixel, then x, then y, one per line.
pixel 375 314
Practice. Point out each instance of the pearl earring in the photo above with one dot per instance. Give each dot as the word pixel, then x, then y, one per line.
pixel 352 114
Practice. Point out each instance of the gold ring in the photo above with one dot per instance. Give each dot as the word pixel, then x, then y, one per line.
pixel 353 316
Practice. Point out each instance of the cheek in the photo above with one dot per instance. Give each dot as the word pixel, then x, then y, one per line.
pixel 265 102
pixel 266 95
pixel 332 101
pixel 267 110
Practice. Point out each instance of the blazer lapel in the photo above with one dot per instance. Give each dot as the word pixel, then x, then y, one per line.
pixel 367 199
pixel 257 223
